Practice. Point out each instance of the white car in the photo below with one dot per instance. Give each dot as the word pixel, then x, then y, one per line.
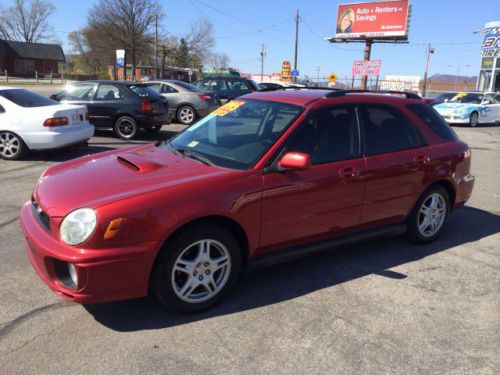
pixel 471 108
pixel 29 121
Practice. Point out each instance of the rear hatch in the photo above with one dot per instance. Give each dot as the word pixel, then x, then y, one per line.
pixel 159 102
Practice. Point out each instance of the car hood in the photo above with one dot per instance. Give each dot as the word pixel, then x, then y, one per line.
pixel 96 180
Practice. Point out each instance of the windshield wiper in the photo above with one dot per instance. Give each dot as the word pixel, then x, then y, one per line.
pixel 193 155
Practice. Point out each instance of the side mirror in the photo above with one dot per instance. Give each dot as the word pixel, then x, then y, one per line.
pixel 295 161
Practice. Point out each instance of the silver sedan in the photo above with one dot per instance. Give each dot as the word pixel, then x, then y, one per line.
pixel 186 102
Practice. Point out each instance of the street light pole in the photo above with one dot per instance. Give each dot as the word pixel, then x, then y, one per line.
pixel 429 51
pixel 262 55
pixel 156 46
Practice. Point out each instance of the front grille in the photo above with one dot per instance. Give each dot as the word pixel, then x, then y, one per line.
pixel 42 217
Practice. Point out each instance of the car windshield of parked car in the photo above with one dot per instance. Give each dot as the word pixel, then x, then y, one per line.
pixel 237 134
pixel 27 99
pixel 144 91
pixel 467 98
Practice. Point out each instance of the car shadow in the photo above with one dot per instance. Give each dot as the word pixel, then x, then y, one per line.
pixel 294 279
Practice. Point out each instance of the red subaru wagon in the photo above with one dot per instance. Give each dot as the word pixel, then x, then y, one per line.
pixel 266 178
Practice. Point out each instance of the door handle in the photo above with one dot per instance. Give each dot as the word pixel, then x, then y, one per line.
pixel 348 172
pixel 421 159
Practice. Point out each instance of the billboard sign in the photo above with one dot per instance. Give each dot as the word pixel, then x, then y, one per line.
pixel 381 19
pixel 366 68
pixel 286 71
pixel 491 41
pixel 120 58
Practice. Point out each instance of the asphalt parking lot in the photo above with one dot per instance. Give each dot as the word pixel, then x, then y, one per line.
pixel 382 307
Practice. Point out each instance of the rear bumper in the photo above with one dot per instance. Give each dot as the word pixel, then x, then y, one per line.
pixel 147 121
pixel 55 138
pixel 103 275
pixel 464 190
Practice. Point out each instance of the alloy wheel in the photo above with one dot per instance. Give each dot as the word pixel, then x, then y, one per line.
pixel 201 271
pixel 10 145
pixel 474 119
pixel 186 115
pixel 432 215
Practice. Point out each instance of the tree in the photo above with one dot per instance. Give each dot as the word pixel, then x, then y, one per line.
pixel 200 41
pixel 89 55
pixel 127 24
pixel 26 21
pixel 218 61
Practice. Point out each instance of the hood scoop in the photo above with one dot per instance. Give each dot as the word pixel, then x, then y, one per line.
pixel 138 163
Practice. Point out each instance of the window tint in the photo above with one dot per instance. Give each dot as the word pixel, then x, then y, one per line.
pixel 218 84
pixel 237 85
pixel 386 129
pixel 108 92
pixel 204 85
pixel 329 135
pixel 77 92
pixel 434 121
pixel 167 89
pixel 25 98
pixel 187 86
pixel 144 91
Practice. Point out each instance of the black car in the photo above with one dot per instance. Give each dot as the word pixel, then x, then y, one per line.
pixel 228 88
pixel 123 106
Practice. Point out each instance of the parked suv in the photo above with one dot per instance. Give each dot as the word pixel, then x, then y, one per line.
pixel 228 88
pixel 265 178
pixel 123 106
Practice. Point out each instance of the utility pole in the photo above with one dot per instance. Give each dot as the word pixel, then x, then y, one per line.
pixel 297 18
pixel 262 55
pixel 318 70
pixel 156 47
pixel 368 51
pixel 429 51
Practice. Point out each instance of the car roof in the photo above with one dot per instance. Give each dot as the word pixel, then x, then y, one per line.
pixel 9 88
pixel 305 96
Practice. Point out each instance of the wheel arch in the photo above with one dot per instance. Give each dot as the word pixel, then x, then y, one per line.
pixel 9 130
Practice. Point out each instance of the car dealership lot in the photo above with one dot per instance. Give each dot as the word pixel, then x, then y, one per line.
pixel 382 307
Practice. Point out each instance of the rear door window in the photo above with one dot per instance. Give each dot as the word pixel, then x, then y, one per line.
pixel 386 129
pixel 144 91
pixel 108 92
pixel 434 121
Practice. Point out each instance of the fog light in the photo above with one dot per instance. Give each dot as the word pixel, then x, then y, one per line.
pixel 73 274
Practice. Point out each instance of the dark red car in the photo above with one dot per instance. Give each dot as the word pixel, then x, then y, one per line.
pixel 266 178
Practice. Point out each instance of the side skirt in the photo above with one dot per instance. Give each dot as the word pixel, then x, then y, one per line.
pixel 296 252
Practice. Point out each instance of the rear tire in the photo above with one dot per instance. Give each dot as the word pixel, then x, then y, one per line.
pixel 12 147
pixel 126 127
pixel 429 217
pixel 196 268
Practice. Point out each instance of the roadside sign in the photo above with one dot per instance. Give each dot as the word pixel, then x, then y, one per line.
pixel 120 58
pixel 366 68
pixel 332 78
pixel 295 73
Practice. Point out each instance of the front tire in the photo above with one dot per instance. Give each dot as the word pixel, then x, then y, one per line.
pixel 126 127
pixel 186 115
pixel 12 147
pixel 474 119
pixel 196 268
pixel 430 215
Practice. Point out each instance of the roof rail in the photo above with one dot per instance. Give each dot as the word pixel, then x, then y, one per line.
pixel 408 95
pixel 298 88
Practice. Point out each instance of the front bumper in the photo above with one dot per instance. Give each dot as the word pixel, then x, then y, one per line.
pixel 103 275
pixel 456 119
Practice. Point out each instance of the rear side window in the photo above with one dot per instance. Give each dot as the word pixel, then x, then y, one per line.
pixel 144 91
pixel 386 129
pixel 434 121
pixel 27 99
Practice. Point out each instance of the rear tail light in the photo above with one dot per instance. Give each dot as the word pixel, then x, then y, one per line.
pixel 56 121
pixel 206 98
pixel 146 106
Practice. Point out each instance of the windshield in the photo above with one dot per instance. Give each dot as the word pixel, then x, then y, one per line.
pixel 464 97
pixel 27 99
pixel 237 134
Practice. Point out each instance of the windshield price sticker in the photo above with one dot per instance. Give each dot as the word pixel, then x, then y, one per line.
pixel 228 108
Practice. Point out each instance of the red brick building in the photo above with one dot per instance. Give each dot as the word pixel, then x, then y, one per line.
pixel 23 59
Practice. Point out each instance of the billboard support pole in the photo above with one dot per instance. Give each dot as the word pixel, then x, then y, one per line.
pixel 296 43
pixel 368 51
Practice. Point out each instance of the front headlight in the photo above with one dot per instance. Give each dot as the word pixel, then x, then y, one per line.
pixel 78 225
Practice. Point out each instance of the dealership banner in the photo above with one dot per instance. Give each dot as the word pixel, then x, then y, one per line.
pixel 491 41
pixel 381 19
pixel 366 68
